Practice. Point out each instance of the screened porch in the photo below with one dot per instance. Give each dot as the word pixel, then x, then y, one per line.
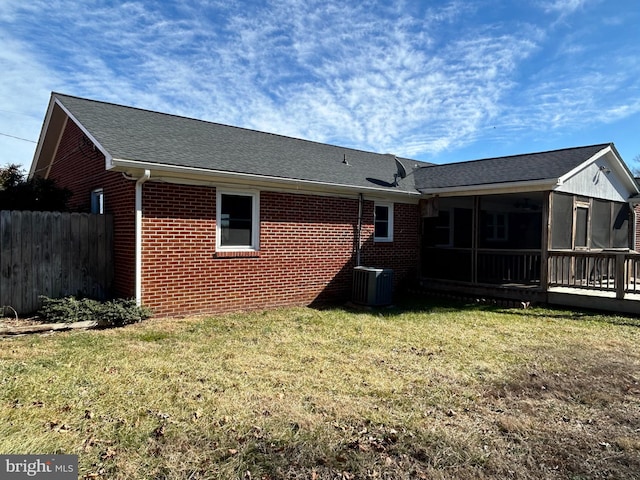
pixel 532 240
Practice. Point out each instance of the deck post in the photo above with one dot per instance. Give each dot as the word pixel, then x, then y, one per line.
pixel 545 242
pixel 620 279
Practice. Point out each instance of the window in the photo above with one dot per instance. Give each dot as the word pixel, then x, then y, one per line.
pixel 97 201
pixel 383 222
pixel 497 226
pixel 237 220
pixel 444 229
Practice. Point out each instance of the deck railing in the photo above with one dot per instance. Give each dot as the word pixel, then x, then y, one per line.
pixel 614 271
pixel 509 266
pixel 605 270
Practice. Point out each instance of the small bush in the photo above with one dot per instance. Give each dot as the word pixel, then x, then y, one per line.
pixel 114 313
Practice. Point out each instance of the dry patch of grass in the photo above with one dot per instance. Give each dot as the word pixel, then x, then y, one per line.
pixel 432 391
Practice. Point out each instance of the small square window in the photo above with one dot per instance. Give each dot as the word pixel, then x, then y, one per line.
pixel 237 221
pixel 383 222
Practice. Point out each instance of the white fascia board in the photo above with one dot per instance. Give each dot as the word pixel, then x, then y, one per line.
pixel 107 156
pixel 216 177
pixel 43 132
pixel 583 165
pixel 624 171
pixel 493 188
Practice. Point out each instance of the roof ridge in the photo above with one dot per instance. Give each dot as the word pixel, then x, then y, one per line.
pixel 544 152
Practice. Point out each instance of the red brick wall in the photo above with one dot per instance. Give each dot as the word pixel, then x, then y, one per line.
pixel 307 251
pixel 81 168
pixel 307 243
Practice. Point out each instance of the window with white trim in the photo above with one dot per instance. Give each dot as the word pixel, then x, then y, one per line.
pixel 97 201
pixel 237 220
pixel 497 228
pixel 383 222
pixel 444 228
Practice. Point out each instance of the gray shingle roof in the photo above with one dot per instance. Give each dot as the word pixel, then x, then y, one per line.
pixel 128 133
pixel 518 168
pixel 148 137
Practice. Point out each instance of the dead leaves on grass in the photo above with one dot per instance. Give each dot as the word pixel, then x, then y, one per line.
pixel 578 420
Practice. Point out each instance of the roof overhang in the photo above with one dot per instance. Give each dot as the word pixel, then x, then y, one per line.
pixel 493 188
pixel 58 115
pixel 201 176
pixel 608 154
pixel 53 127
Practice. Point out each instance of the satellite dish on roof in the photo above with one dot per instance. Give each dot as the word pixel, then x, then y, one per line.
pixel 401 172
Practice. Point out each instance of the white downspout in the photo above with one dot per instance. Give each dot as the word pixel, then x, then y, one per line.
pixel 359 229
pixel 145 176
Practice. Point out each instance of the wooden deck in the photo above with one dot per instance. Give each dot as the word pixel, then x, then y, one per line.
pixel 600 280
pixel 594 300
pixel 515 295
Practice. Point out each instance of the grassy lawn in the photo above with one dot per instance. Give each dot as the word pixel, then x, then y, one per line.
pixel 429 390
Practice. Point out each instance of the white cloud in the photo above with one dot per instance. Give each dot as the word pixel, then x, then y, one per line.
pixel 564 7
pixel 24 90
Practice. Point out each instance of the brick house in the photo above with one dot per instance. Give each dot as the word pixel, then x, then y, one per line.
pixel 211 218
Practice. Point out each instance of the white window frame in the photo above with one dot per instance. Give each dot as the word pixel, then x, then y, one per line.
pixel 255 221
pixel 493 227
pixel 449 227
pixel 389 236
pixel 97 201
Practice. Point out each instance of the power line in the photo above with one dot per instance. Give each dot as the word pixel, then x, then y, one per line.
pixel 17 138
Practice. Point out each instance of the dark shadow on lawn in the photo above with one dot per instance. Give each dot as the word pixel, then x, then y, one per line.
pixel 409 303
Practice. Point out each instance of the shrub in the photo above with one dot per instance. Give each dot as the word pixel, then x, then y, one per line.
pixel 113 313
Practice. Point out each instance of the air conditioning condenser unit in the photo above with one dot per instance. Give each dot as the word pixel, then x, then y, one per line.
pixel 372 286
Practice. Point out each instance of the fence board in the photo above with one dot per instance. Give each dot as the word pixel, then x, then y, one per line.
pixel 34 260
pixel 5 255
pixel 74 260
pixel 47 266
pixel 17 276
pixel 65 253
pixel 53 254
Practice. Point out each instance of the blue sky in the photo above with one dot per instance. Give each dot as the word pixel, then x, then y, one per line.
pixel 439 81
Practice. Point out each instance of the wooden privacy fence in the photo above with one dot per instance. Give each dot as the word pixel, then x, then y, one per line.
pixel 53 254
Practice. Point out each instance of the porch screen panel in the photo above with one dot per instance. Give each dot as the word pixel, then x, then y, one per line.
pixel 447 264
pixel 561 221
pixel 452 227
pixel 601 226
pixel 463 231
pixel 620 232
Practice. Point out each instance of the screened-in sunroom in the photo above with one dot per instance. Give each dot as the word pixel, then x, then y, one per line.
pixel 491 239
